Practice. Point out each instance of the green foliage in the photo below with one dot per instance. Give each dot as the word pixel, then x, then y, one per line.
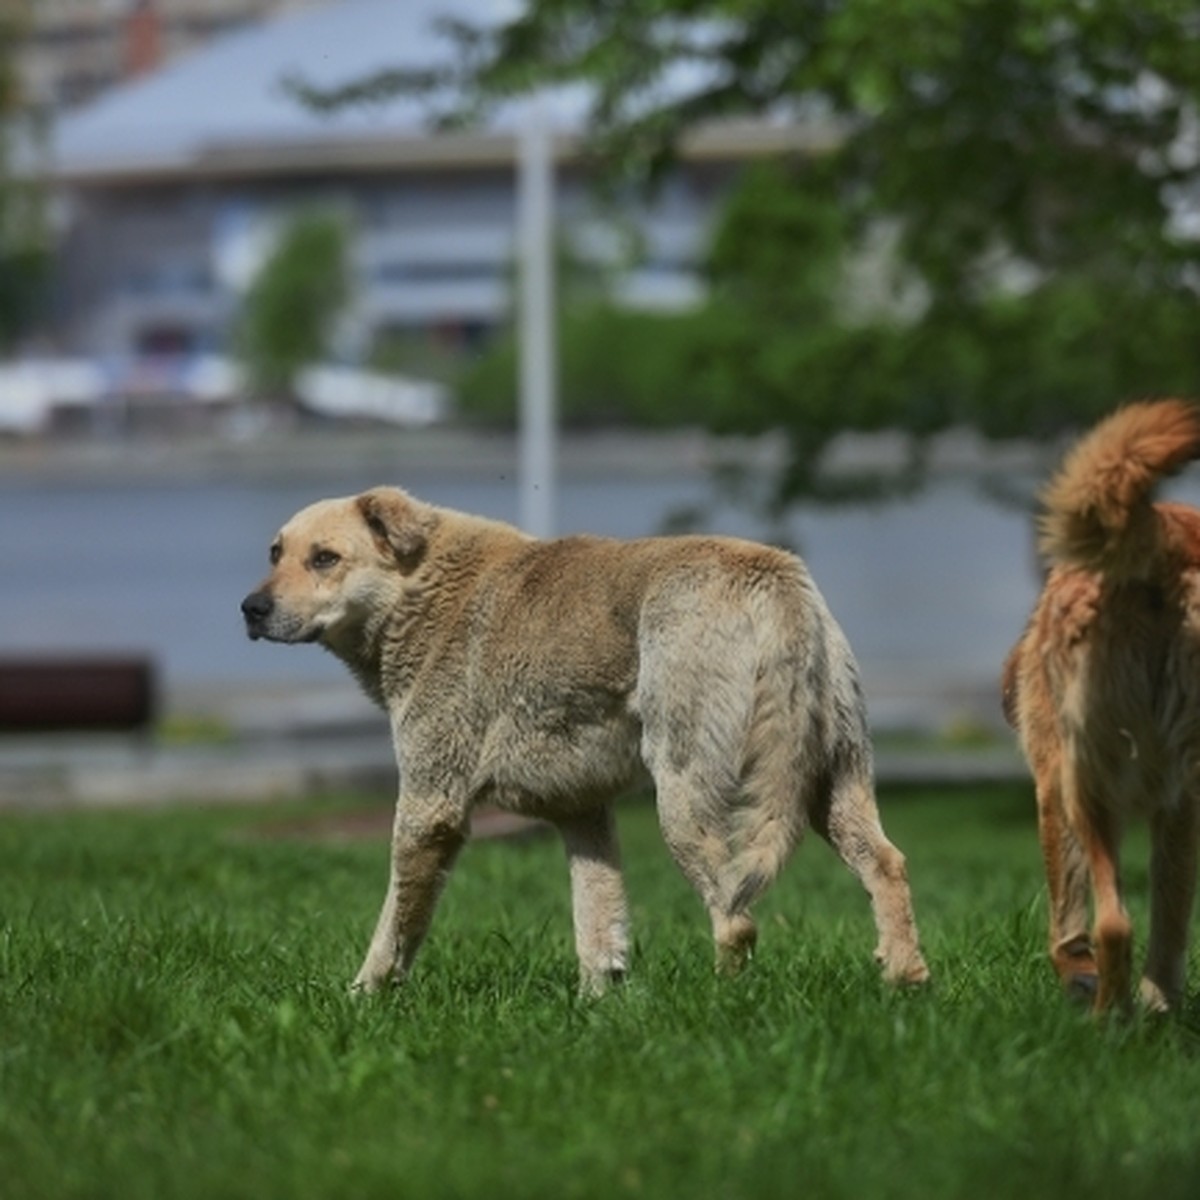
pixel 784 348
pixel 177 1024
pixel 290 308
pixel 1051 125
pixel 24 274
pixel 616 367
pixel 799 342
pixel 414 354
pixel 24 251
pixel 1025 160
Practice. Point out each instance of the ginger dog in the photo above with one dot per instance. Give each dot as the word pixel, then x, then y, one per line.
pixel 1104 691
pixel 541 676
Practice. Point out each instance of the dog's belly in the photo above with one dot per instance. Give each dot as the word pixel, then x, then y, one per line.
pixel 550 765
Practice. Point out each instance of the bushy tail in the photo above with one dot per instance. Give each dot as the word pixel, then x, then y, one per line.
pixel 1099 511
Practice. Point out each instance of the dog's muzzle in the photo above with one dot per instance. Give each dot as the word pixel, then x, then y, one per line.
pixel 265 619
pixel 256 609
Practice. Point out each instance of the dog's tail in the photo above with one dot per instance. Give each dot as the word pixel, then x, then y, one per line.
pixel 1099 512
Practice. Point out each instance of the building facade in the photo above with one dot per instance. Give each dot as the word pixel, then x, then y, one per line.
pixel 163 265
pixel 175 186
pixel 75 49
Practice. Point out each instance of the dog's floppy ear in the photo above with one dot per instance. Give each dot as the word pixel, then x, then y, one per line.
pixel 397 523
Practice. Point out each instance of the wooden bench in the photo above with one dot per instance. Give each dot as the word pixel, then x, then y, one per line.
pixel 75 695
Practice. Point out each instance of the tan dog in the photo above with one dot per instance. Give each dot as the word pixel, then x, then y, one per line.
pixel 1104 690
pixel 541 675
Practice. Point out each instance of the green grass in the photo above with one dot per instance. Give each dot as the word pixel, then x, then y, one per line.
pixel 174 1022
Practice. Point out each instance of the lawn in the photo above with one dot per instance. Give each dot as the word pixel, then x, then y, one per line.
pixel 174 1022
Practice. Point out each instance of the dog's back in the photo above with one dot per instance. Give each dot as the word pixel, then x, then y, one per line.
pixel 1117 599
pixel 1107 653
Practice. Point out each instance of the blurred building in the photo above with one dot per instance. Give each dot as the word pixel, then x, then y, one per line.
pixel 175 184
pixel 75 49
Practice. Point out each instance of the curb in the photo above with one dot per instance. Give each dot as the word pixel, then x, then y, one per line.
pixel 128 773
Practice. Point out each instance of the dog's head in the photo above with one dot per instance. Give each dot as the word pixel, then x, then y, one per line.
pixel 337 562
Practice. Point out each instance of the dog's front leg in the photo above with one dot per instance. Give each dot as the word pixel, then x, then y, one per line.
pixel 598 901
pixel 426 839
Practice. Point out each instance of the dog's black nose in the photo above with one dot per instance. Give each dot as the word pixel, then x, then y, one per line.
pixel 257 607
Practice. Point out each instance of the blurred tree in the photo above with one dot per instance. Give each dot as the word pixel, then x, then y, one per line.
pixel 1029 169
pixel 617 367
pixel 289 312
pixel 24 249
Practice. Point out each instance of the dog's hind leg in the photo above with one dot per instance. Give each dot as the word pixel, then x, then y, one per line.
pixel 694 822
pixel 846 816
pixel 1067 884
pixel 601 913
pixel 426 839
pixel 1173 886
pixel 1099 833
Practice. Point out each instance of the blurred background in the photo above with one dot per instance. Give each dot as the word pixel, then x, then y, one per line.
pixel 839 276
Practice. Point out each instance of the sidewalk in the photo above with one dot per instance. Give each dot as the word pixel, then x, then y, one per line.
pixel 108 772
pixel 308 743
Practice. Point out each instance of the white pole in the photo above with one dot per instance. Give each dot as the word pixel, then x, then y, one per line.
pixel 535 230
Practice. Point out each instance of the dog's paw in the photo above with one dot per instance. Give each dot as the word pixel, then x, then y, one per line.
pixel 368 985
pixel 596 983
pixel 907 971
pixel 1153 999
pixel 916 975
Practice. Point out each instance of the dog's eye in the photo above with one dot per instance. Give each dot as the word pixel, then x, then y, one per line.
pixel 276 554
pixel 322 560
